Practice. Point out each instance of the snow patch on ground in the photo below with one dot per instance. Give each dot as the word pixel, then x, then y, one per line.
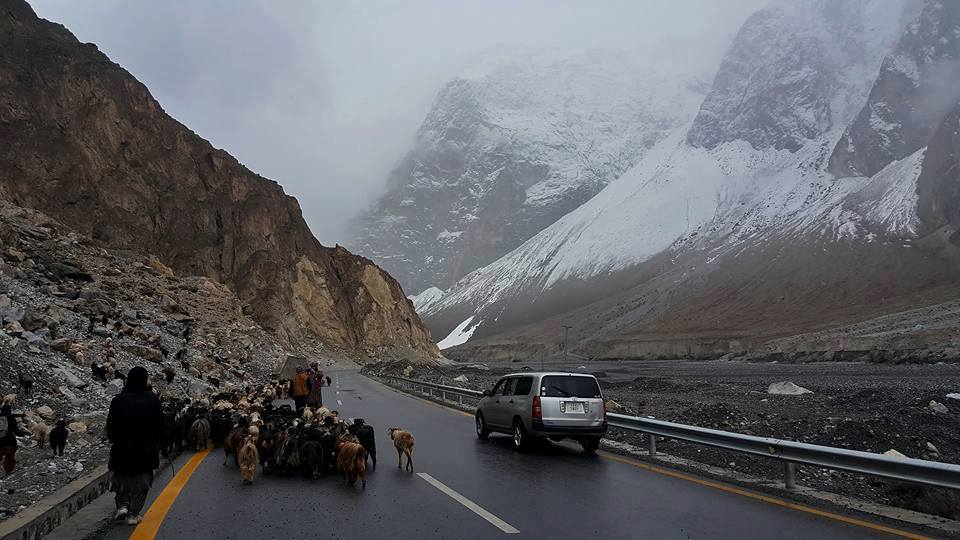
pixel 460 335
pixel 787 389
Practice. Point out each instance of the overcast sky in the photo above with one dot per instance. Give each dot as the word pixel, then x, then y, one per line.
pixel 325 97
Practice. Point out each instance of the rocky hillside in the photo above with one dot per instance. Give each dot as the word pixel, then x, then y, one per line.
pixel 85 142
pixel 746 228
pixel 509 148
pixel 66 304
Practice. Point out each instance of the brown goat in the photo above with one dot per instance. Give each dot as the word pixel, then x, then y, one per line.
pixel 352 462
pixel 232 443
pixel 403 441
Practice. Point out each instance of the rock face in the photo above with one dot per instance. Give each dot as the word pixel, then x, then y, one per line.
pixel 775 86
pixel 85 142
pixel 917 86
pixel 506 151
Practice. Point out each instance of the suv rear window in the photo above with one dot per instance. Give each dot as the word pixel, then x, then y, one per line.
pixel 569 386
pixel 524 384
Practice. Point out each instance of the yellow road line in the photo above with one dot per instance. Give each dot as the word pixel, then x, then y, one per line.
pixel 720 486
pixel 765 498
pixel 148 528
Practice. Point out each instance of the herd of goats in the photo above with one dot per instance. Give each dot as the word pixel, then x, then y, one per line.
pixel 279 439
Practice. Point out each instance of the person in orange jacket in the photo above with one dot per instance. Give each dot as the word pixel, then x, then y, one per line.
pixel 300 387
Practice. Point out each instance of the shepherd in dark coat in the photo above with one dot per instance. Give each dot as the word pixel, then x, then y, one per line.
pixel 135 427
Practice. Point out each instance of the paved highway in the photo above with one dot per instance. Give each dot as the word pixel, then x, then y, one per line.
pixel 463 488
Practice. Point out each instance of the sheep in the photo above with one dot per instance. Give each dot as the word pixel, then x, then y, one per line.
pixel 247 459
pixel 200 434
pixel 40 431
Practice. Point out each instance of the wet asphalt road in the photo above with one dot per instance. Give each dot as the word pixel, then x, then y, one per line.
pixel 551 491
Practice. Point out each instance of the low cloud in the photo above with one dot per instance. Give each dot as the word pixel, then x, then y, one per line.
pixel 325 97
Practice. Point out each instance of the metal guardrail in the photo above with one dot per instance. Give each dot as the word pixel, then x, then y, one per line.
pixel 916 471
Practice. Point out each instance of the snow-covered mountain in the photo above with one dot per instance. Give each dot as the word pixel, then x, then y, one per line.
pixel 511 146
pixel 803 193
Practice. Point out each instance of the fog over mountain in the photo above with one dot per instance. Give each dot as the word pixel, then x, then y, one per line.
pixel 326 97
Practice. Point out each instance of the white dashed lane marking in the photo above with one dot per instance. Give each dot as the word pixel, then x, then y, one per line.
pixel 339 402
pixel 474 507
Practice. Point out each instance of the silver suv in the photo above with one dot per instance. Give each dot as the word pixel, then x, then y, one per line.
pixel 554 405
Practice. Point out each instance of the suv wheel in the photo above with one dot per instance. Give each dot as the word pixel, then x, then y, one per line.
pixel 519 435
pixel 590 445
pixel 482 431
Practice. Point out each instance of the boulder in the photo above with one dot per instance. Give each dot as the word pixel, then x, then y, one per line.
pixel 60 271
pixel 938 407
pixel 14 328
pixel 787 388
pixel 45 412
pixel 613 406
pixel 408 371
pixel 954 396
pixel 71 379
pixel 11 313
pixel 15 254
pixel 101 331
pixel 73 398
pixel 893 453
pixel 62 345
pixel 460 378
pixel 114 387
pixel 171 305
pixel 35 340
pixel 147 353
pixel 77 427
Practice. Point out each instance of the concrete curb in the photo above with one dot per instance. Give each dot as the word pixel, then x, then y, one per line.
pixel 42 517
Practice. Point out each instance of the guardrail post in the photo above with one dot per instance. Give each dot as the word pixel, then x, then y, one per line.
pixel 443 395
pixel 460 399
pixel 652 444
pixel 789 475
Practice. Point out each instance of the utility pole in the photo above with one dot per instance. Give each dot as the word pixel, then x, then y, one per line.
pixel 564 344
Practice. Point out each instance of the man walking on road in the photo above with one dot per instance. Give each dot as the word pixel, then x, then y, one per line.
pixel 9 431
pixel 317 382
pixel 135 427
pixel 300 388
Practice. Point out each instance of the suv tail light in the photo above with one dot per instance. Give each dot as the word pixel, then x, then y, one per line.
pixel 537 409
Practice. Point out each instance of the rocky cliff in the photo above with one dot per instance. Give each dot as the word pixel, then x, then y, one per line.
pixel 85 142
pixel 916 87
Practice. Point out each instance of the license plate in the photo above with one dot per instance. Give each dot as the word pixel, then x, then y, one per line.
pixel 573 407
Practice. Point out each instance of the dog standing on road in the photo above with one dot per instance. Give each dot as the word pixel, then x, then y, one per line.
pixel 403 441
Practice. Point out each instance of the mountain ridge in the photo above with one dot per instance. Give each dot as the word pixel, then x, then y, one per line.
pixel 87 140
pixel 706 233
